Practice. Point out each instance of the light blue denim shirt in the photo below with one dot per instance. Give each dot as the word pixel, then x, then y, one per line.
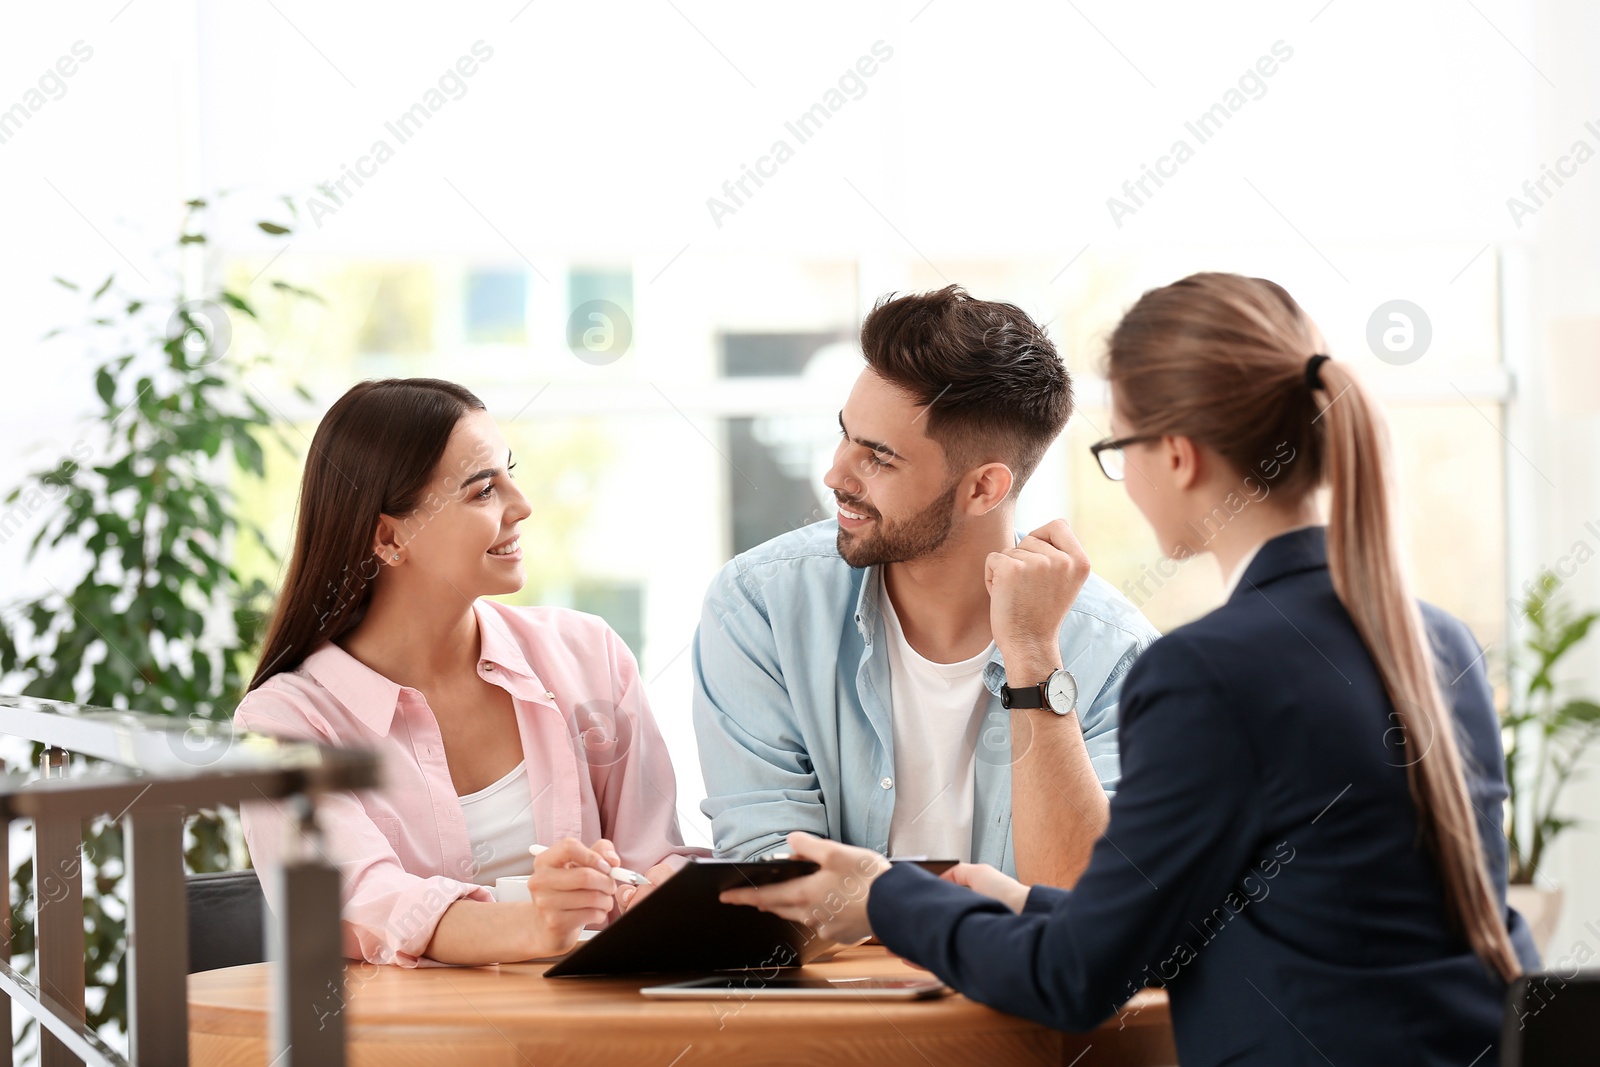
pixel 792 706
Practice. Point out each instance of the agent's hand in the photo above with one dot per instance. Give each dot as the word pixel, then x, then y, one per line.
pixel 1031 589
pixel 982 878
pixel 833 901
pixel 629 895
pixel 571 887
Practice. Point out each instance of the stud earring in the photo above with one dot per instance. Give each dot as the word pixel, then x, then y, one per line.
pixel 395 558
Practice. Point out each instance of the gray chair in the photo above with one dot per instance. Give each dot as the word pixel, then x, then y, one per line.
pixel 227 920
pixel 1551 1021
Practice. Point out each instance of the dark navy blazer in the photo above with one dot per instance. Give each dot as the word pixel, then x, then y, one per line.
pixel 1262 862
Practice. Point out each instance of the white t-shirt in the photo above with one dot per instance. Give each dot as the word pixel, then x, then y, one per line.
pixel 500 827
pixel 936 708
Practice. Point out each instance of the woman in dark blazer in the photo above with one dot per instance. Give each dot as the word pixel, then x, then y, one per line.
pixel 1305 848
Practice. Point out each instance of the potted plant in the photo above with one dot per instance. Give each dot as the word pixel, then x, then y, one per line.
pixel 1546 736
pixel 155 617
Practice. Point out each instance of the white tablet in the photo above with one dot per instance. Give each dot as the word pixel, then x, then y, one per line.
pixel 755 987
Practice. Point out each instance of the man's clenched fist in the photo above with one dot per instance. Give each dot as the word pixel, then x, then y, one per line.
pixel 1031 588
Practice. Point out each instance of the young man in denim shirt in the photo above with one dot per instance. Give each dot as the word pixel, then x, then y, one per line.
pixel 913 676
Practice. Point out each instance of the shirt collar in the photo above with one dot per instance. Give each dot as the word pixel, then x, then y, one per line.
pixel 372 698
pixel 365 693
pixel 497 646
pixel 867 610
pixel 499 649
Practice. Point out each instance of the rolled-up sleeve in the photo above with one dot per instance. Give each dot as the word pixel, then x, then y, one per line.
pixel 1103 638
pixel 760 783
pixel 388 915
pixel 1099 722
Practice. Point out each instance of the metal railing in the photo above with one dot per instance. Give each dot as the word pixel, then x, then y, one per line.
pixel 156 770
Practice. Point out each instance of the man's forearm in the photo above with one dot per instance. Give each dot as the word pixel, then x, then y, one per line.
pixel 1058 807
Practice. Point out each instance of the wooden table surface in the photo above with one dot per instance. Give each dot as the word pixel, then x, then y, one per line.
pixel 512 1016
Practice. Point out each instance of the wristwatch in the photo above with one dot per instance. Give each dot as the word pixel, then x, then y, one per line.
pixel 1057 693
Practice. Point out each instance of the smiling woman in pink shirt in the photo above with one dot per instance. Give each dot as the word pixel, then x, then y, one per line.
pixel 498 727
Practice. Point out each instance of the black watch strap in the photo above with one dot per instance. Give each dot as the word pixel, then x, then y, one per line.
pixel 1025 697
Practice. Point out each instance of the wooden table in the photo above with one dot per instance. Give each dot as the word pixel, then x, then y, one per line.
pixel 511 1016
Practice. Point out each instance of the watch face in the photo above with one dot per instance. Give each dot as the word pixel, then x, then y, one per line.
pixel 1062 689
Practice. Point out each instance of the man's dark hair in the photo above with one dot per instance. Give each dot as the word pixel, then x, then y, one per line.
pixel 991 380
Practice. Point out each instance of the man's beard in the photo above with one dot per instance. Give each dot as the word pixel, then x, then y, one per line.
pixel 904 539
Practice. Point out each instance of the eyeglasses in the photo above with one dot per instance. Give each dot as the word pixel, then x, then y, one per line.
pixel 1109 453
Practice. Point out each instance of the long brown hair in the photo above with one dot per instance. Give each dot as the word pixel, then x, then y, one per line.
pixel 1221 359
pixel 372 455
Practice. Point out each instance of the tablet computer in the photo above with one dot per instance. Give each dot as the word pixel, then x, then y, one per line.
pixel 759 987
pixel 682 926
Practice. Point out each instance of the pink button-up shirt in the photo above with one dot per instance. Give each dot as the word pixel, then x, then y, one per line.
pixel 597 767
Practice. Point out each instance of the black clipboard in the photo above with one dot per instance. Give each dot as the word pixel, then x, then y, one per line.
pixel 682 926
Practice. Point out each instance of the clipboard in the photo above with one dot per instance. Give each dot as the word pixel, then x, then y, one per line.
pixel 682 926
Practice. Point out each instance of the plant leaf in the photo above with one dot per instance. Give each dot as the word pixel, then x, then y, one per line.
pixel 1576 712
pixel 105 385
pixel 297 291
pixel 236 302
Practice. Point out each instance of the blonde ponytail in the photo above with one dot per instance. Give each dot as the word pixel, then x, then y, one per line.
pixel 1364 561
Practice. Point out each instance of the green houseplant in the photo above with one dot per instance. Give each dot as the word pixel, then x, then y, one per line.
pixel 1546 736
pixel 157 620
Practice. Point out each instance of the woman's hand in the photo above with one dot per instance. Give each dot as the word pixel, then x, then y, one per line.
pixel 833 901
pixel 629 895
pixel 571 887
pixel 982 878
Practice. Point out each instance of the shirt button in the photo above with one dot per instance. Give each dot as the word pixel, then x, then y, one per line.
pixel 887 783
pixel 488 666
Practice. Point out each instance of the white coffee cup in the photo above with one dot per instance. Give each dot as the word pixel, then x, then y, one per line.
pixel 512 888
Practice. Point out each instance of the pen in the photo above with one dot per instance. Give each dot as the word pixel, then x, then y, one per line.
pixel 621 874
